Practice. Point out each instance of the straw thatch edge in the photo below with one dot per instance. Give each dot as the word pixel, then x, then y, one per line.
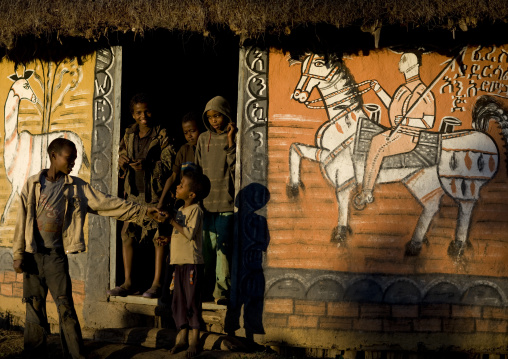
pixel 97 19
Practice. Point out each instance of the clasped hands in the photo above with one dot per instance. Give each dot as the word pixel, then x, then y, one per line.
pixel 157 214
pixel 160 216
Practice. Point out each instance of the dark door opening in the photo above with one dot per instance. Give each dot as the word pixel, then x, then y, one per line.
pixel 181 72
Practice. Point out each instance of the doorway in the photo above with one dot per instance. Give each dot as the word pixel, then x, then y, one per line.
pixel 181 73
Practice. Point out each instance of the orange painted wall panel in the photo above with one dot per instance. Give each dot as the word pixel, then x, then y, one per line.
pixel 301 229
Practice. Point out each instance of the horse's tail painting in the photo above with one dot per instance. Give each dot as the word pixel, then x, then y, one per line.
pixel 488 108
pixel 470 159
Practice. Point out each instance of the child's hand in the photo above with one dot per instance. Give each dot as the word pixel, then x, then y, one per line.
pixel 156 214
pixel 137 165
pixel 163 240
pixel 123 160
pixel 18 266
pixel 231 129
pixel 168 216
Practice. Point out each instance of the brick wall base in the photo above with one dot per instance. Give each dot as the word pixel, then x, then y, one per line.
pixel 11 294
pixel 411 327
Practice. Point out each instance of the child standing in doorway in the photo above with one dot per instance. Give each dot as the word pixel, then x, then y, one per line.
pixel 216 154
pixel 144 173
pixel 185 155
pixel 187 259
pixel 46 232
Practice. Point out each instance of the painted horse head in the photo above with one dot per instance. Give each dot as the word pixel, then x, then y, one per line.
pixel 316 72
pixel 22 88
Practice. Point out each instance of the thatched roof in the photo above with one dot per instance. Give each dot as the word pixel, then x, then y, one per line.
pixel 97 19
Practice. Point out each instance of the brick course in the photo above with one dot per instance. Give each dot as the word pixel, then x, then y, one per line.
pixel 467 311
pixel 9 276
pixel 6 289
pixel 495 312
pixel 340 309
pixel 397 325
pixel 405 311
pixel 336 323
pixel 368 310
pixel 491 326
pixel 435 310
pixel 279 305
pixel 302 321
pixel 275 320
pixel 427 325
pixel 368 325
pixel 459 325
pixel 310 307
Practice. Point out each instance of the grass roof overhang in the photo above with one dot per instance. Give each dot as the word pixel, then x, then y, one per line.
pixel 50 21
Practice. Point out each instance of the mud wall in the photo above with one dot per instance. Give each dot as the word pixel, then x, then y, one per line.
pixel 424 263
pixel 73 99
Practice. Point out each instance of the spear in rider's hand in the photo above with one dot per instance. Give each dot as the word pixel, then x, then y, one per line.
pixel 427 90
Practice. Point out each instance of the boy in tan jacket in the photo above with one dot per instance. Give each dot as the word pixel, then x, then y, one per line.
pixel 49 226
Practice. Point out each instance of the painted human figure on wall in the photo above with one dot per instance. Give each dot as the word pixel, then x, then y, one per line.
pixel 411 109
pixel 429 164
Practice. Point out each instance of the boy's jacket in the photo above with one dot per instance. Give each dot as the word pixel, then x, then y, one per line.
pixel 81 198
pixel 158 163
pixel 217 159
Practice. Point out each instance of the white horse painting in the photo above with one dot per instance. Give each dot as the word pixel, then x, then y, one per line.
pixel 457 163
pixel 24 154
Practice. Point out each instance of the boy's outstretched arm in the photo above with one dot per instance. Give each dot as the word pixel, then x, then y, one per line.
pixel 18 245
pixel 120 209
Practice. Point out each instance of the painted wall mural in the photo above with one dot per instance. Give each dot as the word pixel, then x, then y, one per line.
pixel 43 101
pixel 353 148
pixel 388 168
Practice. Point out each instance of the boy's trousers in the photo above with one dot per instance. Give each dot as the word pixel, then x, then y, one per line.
pixel 218 235
pixel 186 305
pixel 43 271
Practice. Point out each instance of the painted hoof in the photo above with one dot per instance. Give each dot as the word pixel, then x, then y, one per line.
pixel 339 234
pixel 456 248
pixel 413 248
pixel 293 190
pixel 361 199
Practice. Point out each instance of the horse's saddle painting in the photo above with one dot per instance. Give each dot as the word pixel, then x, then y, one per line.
pixel 425 154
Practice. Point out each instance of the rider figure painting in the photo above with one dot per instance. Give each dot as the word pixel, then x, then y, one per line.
pixel 411 110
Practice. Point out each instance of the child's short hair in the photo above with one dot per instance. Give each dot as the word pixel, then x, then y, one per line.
pixel 58 144
pixel 191 116
pixel 140 98
pixel 199 184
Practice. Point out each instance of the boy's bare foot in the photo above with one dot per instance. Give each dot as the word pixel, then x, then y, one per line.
pixel 181 341
pixel 193 343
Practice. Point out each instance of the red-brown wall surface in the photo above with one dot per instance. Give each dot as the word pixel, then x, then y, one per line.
pixel 355 279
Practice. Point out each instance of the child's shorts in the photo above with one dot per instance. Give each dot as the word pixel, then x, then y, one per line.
pixel 186 304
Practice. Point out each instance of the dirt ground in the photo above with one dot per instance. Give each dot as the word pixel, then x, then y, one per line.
pixel 11 347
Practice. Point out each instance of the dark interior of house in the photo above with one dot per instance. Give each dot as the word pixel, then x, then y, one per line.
pixel 181 73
